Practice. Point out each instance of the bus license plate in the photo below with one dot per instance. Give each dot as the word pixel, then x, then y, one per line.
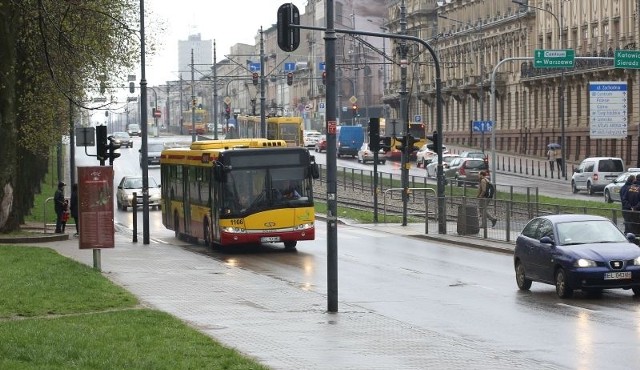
pixel 617 275
pixel 270 239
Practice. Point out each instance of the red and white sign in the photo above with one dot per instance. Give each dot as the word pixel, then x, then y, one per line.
pixel 157 113
pixel 95 207
pixel 331 127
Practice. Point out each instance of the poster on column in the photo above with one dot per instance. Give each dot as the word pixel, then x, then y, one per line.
pixel 95 207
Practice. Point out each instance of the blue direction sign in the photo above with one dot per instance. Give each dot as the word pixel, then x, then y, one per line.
pixel 482 126
pixel 322 66
pixel 417 118
pixel 290 67
pixel 254 67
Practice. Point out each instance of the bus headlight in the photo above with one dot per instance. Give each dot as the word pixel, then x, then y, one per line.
pixel 306 226
pixel 234 230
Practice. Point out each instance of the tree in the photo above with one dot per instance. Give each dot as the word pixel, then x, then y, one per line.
pixel 53 51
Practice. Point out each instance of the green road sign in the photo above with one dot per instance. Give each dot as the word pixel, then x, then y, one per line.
pixel 627 59
pixel 554 58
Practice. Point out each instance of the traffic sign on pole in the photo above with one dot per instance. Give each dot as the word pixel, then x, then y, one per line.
pixel 608 110
pixel 564 58
pixel 626 59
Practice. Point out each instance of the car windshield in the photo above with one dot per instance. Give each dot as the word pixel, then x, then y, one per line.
pixel 593 231
pixel 155 147
pixel 121 135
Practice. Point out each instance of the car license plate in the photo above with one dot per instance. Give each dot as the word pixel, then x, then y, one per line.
pixel 270 239
pixel 617 275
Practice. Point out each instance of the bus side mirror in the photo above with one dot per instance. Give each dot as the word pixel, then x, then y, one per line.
pixel 315 171
pixel 219 173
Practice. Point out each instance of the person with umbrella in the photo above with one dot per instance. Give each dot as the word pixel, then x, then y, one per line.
pixel 553 154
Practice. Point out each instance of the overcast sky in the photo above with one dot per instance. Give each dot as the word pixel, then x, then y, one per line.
pixel 226 22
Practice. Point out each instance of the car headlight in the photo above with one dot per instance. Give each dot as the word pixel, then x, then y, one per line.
pixel 583 262
pixel 636 261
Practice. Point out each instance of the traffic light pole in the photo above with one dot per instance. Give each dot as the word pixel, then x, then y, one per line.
pixel 404 115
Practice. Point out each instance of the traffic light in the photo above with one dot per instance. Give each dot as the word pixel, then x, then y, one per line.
pixel 101 142
pixel 402 141
pixel 384 143
pixel 324 78
pixel 288 37
pixel 227 110
pixel 374 134
pixel 132 87
pixel 254 77
pixel 411 141
pixel 434 141
pixel 112 147
pixel 289 78
pixel 354 109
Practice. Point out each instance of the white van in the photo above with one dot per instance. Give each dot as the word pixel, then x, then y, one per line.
pixel 595 173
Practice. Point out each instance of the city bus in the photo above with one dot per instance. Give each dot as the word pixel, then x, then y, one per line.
pixel 289 129
pixel 230 192
pixel 201 121
pixel 417 130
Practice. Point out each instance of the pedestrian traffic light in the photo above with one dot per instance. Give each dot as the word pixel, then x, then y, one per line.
pixel 411 141
pixel 288 37
pixel 132 87
pixel 112 147
pixel 101 143
pixel 289 78
pixel 254 77
pixel 434 142
pixel 402 143
pixel 384 143
pixel 374 134
pixel 324 78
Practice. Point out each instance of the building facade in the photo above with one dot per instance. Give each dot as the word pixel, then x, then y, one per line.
pixel 202 57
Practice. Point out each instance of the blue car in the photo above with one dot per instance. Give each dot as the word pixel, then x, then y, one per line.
pixel 576 252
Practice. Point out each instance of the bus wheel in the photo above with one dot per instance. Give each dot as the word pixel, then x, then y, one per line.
pixel 207 233
pixel 290 246
pixel 176 224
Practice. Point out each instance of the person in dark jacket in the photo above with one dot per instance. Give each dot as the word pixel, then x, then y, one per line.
pixel 58 206
pixel 633 197
pixel 626 205
pixel 73 207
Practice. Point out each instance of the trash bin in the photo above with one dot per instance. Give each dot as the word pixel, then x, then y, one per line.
pixel 468 220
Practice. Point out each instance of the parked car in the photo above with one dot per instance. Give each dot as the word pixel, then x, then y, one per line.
pixel 593 174
pixel 154 150
pixel 432 167
pixel 424 155
pixel 321 145
pixel 133 184
pixel 365 154
pixel 123 139
pixel 576 252
pixel 612 190
pixel 466 171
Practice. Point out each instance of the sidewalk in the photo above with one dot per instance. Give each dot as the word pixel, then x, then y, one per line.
pixel 283 326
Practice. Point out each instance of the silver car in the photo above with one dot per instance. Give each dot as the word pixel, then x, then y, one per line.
pixel 612 190
pixel 133 184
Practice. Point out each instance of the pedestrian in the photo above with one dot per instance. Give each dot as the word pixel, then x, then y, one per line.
pixel 551 156
pixel 626 205
pixel 632 195
pixel 65 215
pixel 73 207
pixel 58 206
pixel 483 184
pixel 559 162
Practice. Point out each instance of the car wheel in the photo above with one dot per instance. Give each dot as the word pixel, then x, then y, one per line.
pixel 574 189
pixel 607 196
pixel 290 246
pixel 383 162
pixel 590 188
pixel 521 279
pixel 636 291
pixel 562 288
pixel 360 161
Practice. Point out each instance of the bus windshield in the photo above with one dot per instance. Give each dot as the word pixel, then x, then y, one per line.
pixel 251 190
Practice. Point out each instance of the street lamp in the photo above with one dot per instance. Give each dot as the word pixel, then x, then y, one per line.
pixel 481 95
pixel 563 149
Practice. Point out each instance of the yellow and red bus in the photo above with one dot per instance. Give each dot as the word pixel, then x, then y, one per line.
pixel 417 130
pixel 200 118
pixel 228 192
pixel 289 129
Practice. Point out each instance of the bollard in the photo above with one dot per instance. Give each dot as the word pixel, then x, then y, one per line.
pixel 134 206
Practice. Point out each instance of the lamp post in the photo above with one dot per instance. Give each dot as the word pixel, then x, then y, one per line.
pixel 143 125
pixel 481 94
pixel 563 149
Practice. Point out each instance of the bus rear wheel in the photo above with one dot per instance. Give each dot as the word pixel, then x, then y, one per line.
pixel 290 246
